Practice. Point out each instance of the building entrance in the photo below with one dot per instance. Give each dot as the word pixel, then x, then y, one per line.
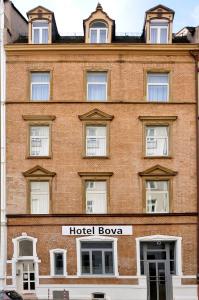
pixel 158 264
pixel 26 276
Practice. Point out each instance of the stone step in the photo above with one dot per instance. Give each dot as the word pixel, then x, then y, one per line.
pixel 29 296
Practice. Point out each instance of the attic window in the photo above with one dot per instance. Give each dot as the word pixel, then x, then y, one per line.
pixel 98 32
pixel 159 31
pixel 40 32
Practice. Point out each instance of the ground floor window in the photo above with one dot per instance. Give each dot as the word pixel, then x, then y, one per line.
pixel 97 258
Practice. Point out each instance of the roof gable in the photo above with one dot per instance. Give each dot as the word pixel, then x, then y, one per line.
pixel 38 171
pixel 39 10
pixel 160 8
pixel 158 170
pixel 96 115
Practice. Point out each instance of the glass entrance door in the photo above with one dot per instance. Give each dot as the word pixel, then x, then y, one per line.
pixel 156 280
pixel 28 276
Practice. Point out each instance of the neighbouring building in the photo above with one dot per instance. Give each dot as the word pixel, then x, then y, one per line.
pixel 101 160
pixel 12 25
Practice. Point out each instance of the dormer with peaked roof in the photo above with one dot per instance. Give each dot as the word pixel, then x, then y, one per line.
pixel 98 27
pixel 42 26
pixel 158 25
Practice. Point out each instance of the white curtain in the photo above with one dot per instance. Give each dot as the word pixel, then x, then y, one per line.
pixel 96 140
pixel 39 140
pixel 96 85
pixel 154 35
pixel 163 35
pixel 157 196
pixel 40 86
pixel 93 35
pixel 39 197
pixel 158 87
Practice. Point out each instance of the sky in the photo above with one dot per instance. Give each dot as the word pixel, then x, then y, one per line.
pixel 128 14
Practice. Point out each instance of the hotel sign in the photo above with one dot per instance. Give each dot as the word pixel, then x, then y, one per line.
pixel 97 230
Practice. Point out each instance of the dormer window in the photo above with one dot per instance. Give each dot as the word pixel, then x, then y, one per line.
pixel 40 32
pixel 98 32
pixel 159 31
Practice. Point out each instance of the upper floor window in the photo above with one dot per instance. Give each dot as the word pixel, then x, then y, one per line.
pixel 40 86
pixel 97 86
pixel 40 32
pixel 159 31
pixel 158 87
pixel 157 196
pixel 96 197
pixel 98 32
pixel 39 140
pixel 157 140
pixel 39 194
pixel 96 140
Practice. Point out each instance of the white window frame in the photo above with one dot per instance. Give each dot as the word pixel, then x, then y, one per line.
pixel 99 29
pixel 96 138
pixel 52 262
pixel 158 83
pixel 97 83
pixel 38 137
pixel 16 241
pixel 96 192
pixel 41 83
pixel 97 239
pixel 147 191
pixel 159 27
pixel 30 196
pixel 156 138
pixel 40 30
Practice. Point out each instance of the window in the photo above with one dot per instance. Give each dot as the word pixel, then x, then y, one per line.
pixel 98 32
pixel 39 140
pixel 40 32
pixel 58 262
pixel 159 32
pixel 40 86
pixel 97 86
pixel 25 247
pixel 39 197
pixel 157 140
pixel 97 258
pixel 158 87
pixel 96 197
pixel 157 196
pixel 96 140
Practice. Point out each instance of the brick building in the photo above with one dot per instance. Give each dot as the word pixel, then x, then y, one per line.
pixel 101 160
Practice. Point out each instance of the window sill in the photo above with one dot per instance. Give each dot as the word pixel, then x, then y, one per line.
pixel 158 157
pixel 32 100
pixel 38 157
pixel 98 157
pixel 98 276
pixel 59 276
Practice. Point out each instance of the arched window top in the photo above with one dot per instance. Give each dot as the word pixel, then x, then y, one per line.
pixel 25 247
pixel 98 24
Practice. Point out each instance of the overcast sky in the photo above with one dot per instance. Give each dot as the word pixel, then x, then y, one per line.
pixel 128 14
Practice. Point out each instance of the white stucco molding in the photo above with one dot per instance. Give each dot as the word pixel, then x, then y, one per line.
pixel 97 239
pixel 152 238
pixel 16 247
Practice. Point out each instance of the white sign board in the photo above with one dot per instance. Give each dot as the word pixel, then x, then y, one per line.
pixel 97 230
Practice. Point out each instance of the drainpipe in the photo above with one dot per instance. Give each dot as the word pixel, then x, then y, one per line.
pixel 3 222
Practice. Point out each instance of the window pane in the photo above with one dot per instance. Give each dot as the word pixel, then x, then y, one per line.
pixel 96 245
pixel 108 262
pixel 93 36
pixel 25 248
pixel 96 140
pixel 39 197
pixel 157 141
pixel 158 78
pixel 97 262
pixel 96 199
pixel 157 196
pixel 98 25
pixel 40 85
pixel 158 93
pixel 96 85
pixel 36 36
pixel 39 140
pixel 59 263
pixel 40 77
pixel 163 36
pixel 39 24
pixel 154 35
pixel 44 36
pixel 102 37
pixel 85 258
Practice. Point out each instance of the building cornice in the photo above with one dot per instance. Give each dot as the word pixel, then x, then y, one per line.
pixel 174 49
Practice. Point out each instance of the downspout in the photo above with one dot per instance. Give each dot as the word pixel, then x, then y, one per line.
pixel 3 221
